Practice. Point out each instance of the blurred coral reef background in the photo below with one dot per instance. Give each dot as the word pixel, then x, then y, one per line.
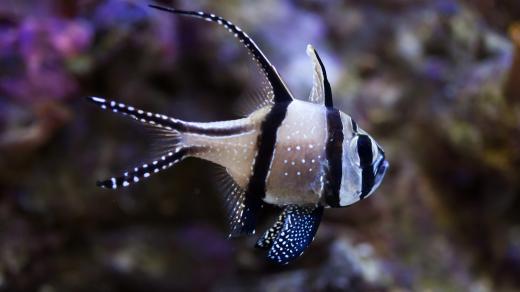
pixel 437 82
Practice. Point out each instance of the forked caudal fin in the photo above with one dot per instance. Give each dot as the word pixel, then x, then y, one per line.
pixel 174 130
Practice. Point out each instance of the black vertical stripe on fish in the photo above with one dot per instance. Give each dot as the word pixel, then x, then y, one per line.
pixel 334 155
pixel 367 182
pixel 265 144
pixel 326 84
pixel 364 148
pixel 296 233
pixel 280 90
pixel 163 121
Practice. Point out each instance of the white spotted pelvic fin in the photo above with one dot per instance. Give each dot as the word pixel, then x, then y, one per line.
pixel 291 234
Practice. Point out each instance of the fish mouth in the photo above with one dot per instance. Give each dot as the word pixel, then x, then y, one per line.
pixel 381 169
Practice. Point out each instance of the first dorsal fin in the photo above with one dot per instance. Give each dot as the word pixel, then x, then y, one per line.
pixel 321 91
pixel 279 92
pixel 291 234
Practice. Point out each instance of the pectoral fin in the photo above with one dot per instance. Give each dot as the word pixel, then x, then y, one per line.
pixel 291 234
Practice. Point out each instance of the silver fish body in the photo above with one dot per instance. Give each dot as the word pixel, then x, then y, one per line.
pixel 297 171
pixel 302 156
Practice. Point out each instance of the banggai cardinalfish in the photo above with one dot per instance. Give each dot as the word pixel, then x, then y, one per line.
pixel 302 156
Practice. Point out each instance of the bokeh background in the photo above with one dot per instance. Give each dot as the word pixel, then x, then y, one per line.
pixel 437 82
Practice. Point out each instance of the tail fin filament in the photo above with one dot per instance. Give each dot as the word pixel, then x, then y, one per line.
pixel 145 170
pixel 165 122
pixel 156 120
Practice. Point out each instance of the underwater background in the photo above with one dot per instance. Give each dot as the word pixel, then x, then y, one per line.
pixel 436 82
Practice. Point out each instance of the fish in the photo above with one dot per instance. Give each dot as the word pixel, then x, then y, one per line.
pixel 302 156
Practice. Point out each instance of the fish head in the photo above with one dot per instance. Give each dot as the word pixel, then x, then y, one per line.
pixel 364 164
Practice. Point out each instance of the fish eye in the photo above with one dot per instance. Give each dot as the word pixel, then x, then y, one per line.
pixel 364 149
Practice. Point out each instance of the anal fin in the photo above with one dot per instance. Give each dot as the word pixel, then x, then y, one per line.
pixel 242 209
pixel 291 234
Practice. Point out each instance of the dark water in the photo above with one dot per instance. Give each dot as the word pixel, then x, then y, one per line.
pixel 437 83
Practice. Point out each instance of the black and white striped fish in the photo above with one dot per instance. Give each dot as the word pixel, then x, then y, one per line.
pixel 302 156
